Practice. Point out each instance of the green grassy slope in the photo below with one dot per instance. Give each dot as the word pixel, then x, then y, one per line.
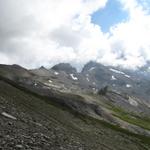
pixel 143 122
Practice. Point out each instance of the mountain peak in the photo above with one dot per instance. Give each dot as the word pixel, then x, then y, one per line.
pixel 66 67
pixel 91 65
pixel 43 68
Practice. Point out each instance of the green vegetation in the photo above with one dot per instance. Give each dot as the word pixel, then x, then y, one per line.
pixel 131 118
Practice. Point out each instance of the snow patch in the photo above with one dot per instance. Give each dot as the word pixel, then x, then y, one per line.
pixel 94 83
pixel 87 75
pixel 95 90
pixel 56 73
pixel 73 77
pixel 128 85
pixel 116 71
pixel 113 78
pixel 119 72
pixel 8 116
pixel 87 79
pixel 52 85
pixel 50 81
pixel 91 68
pixel 127 76
pixel 133 102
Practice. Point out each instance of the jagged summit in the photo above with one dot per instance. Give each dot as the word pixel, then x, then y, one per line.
pixel 42 67
pixel 90 65
pixel 66 67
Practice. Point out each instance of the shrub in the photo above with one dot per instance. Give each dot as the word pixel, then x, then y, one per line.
pixel 103 91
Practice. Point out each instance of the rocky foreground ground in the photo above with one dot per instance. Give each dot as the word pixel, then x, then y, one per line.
pixel 28 122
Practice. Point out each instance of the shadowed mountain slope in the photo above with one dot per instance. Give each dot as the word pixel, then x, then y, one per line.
pixel 39 110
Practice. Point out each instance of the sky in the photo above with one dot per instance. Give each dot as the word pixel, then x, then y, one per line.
pixel 36 33
pixel 110 15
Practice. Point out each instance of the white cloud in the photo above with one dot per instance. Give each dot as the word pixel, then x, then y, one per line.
pixel 132 38
pixel 36 32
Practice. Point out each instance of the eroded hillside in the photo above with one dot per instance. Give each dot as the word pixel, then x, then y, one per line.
pixel 39 111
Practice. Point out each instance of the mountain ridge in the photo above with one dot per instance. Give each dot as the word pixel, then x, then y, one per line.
pixel 74 93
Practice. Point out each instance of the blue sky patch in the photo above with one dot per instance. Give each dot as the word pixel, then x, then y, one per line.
pixel 110 15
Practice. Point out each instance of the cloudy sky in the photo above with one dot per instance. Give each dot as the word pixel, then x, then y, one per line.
pixel 47 32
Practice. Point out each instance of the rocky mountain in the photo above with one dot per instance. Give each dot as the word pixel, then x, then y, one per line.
pixel 133 82
pixel 60 108
pixel 66 67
